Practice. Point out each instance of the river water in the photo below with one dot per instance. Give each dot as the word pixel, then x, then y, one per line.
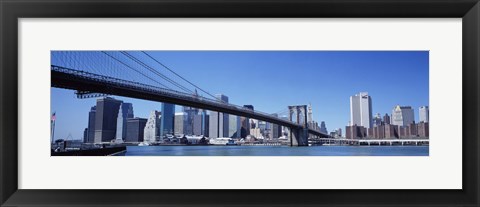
pixel 276 151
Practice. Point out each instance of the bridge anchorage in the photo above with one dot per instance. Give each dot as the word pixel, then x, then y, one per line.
pixel 298 135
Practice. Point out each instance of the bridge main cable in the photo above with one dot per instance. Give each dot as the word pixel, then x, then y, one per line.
pixel 156 72
pixel 121 62
pixel 157 61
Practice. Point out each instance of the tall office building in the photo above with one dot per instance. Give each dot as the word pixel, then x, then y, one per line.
pixel 424 114
pixel 219 126
pixel 181 123
pixel 361 110
pixel 91 125
pixel 323 128
pixel 386 119
pixel 276 130
pixel 106 119
pixel 135 129
pixel 309 114
pixel 190 113
pixel 285 130
pixel 215 128
pixel 377 120
pixel 85 135
pixel 235 126
pixel 224 116
pixel 167 120
pixel 125 111
pixel 200 124
pixel 402 115
pixel 151 132
pixel 245 129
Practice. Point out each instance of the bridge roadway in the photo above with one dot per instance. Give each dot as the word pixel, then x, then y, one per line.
pixel 84 81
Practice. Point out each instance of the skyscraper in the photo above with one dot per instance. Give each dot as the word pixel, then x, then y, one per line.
pixel 310 114
pixel 386 119
pixel 181 123
pixel 190 113
pixel 167 120
pixel 245 129
pixel 424 114
pixel 219 121
pixel 377 120
pixel 361 110
pixel 402 115
pixel 106 119
pixel 234 128
pixel 125 111
pixel 224 116
pixel 200 124
pixel 135 129
pixel 85 135
pixel 152 127
pixel 276 129
pixel 323 128
pixel 91 125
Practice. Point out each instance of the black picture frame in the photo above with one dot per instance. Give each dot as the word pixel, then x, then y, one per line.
pixel 10 11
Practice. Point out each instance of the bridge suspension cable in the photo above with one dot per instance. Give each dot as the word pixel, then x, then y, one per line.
pixel 123 63
pixel 156 72
pixel 166 67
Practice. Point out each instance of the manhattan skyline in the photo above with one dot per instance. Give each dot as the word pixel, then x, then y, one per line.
pixel 272 80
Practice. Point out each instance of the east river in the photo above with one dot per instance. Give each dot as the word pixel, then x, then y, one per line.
pixel 276 151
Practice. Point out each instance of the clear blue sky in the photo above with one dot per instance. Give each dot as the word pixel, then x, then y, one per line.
pixel 269 80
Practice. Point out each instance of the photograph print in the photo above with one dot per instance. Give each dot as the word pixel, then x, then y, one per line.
pixel 239 103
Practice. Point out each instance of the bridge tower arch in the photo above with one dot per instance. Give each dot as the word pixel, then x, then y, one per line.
pixel 298 136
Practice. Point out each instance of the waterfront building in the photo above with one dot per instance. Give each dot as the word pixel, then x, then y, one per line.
pixel 424 114
pixel 355 132
pixel 180 123
pixel 309 113
pixel 218 122
pixel 125 111
pixel 245 122
pixel 412 130
pixel 136 130
pixel 402 131
pixel 215 125
pixel 190 113
pixel 370 132
pixel 167 120
pixel 391 131
pixel 361 110
pixel 151 132
pixel 106 119
pixel 262 125
pixel 323 128
pixel 255 132
pixel 234 129
pixel 85 135
pixel 200 124
pixel 339 132
pixel 377 120
pixel 402 115
pixel 379 132
pixel 224 117
pixel 423 129
pixel 386 119
pixel 276 130
pixel 285 131
pixel 91 125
